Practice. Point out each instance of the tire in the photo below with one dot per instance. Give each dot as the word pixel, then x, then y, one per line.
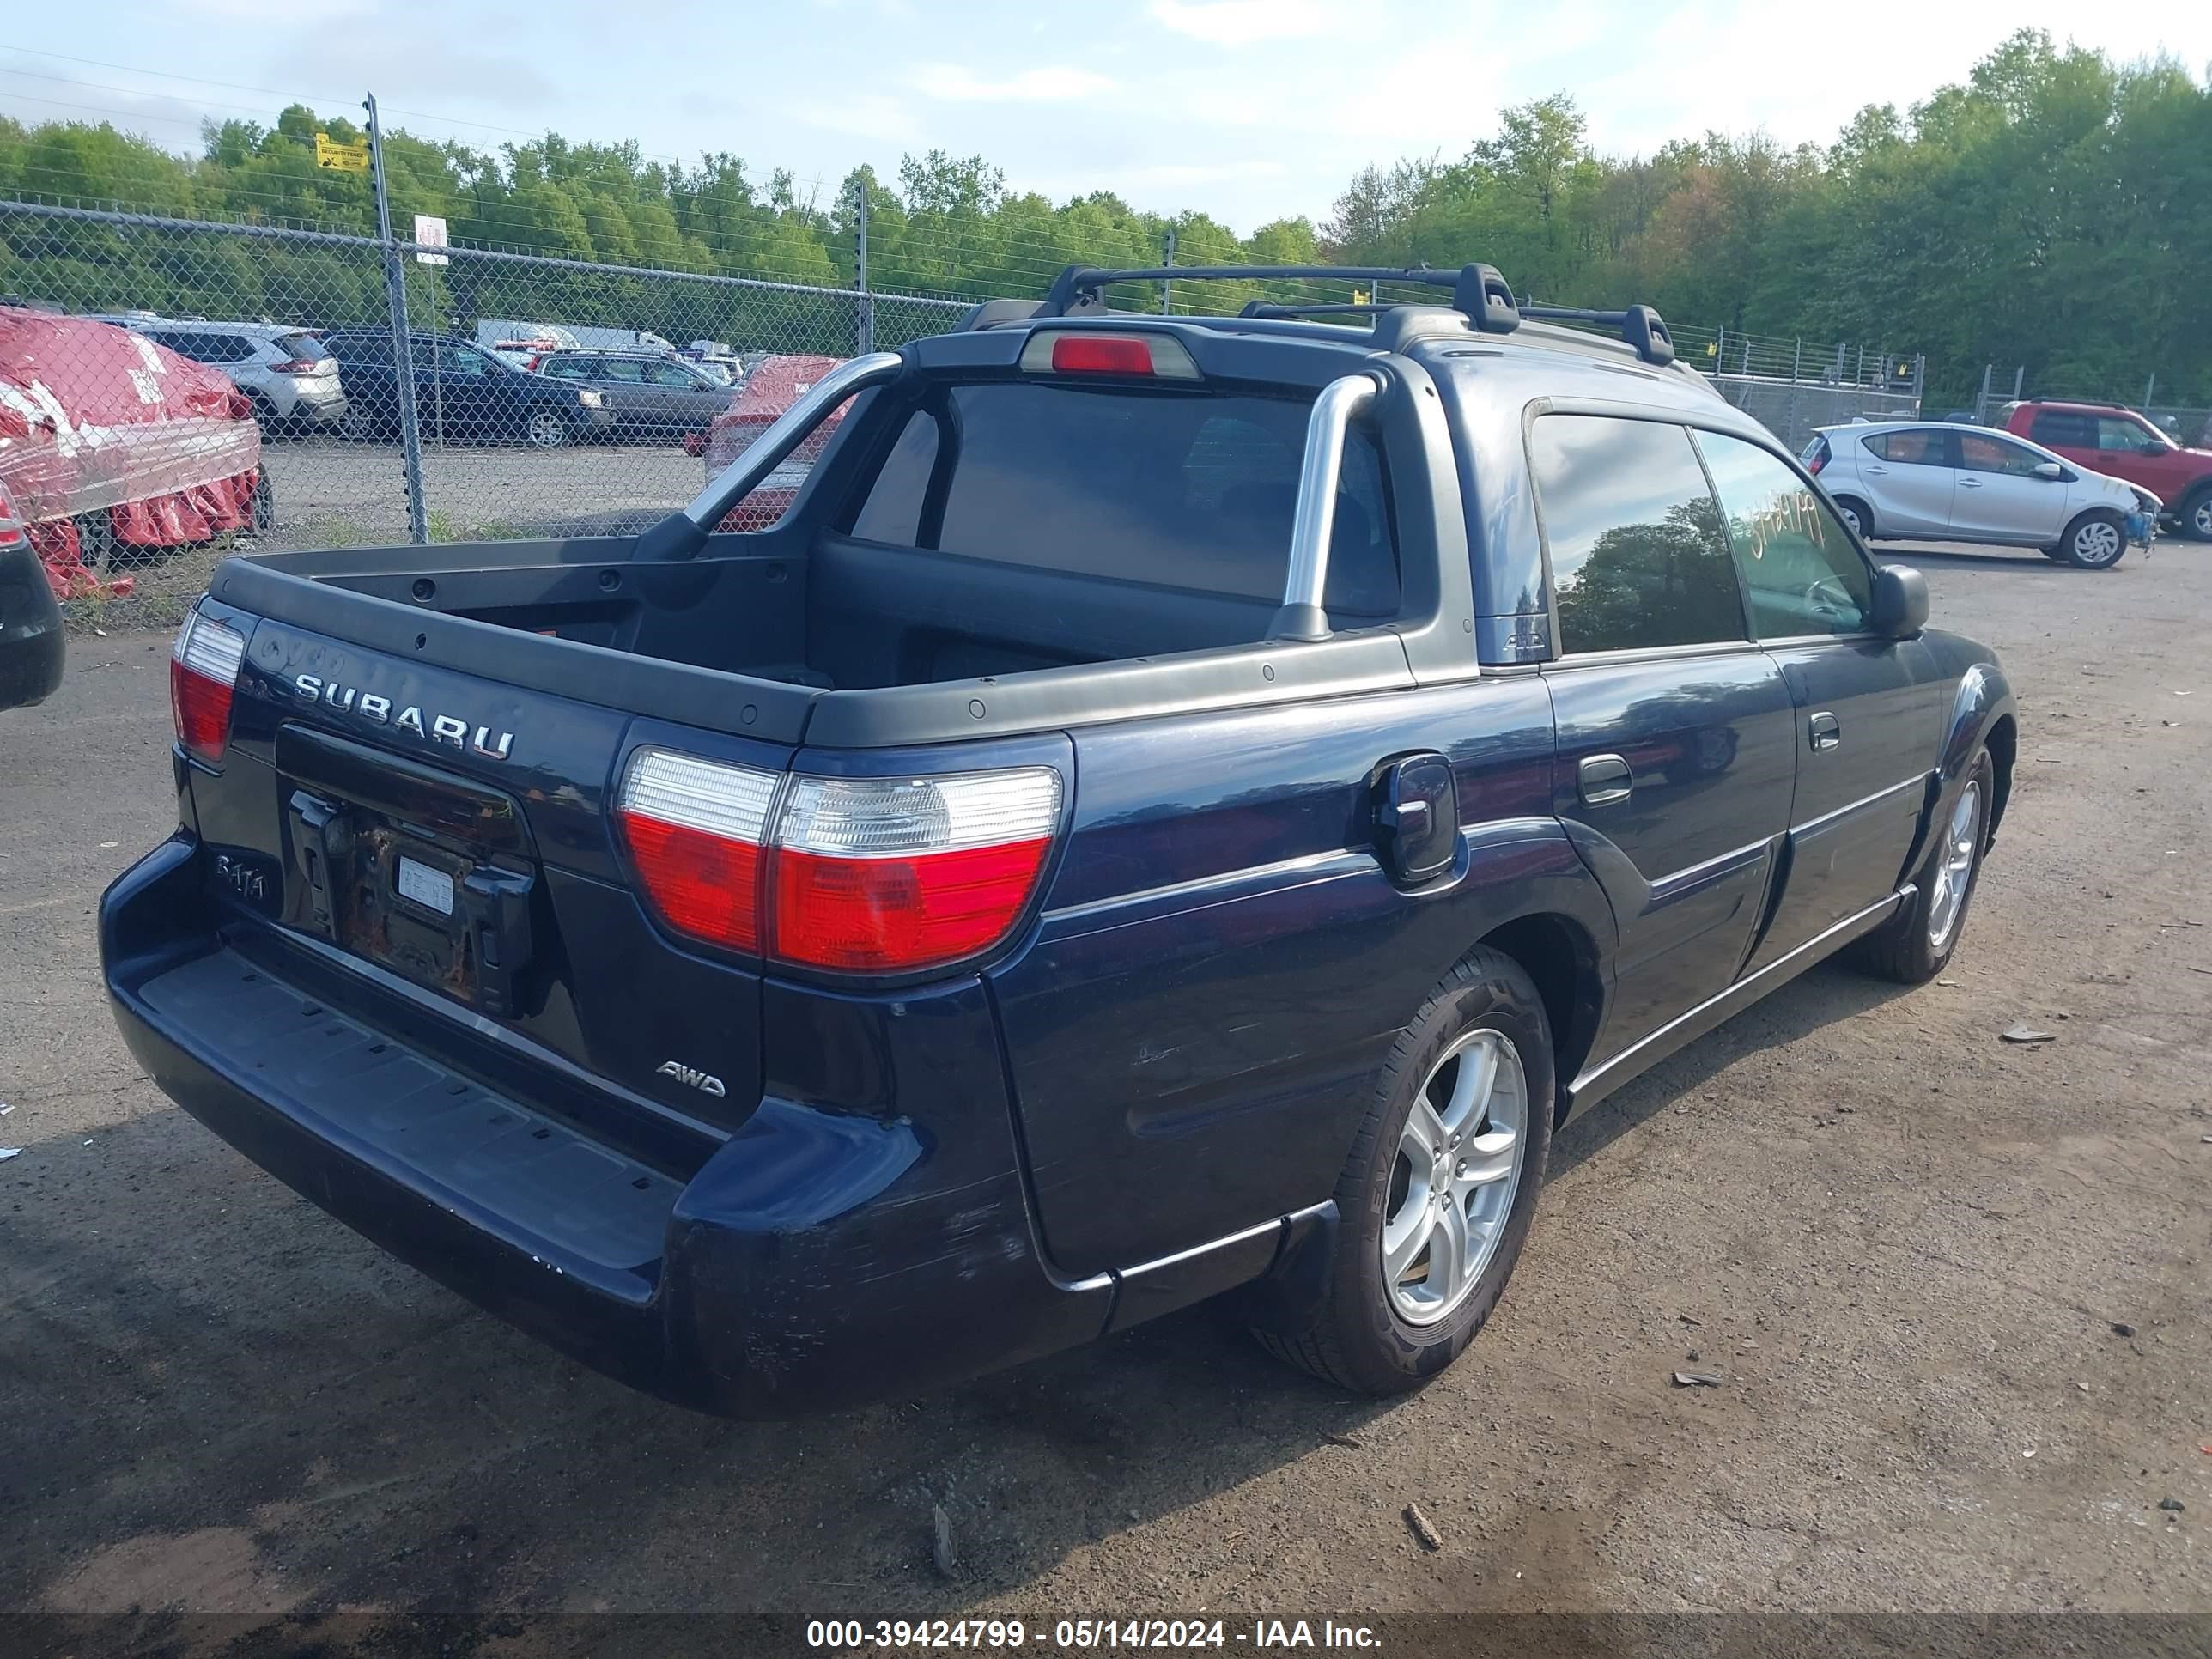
pixel 358 425
pixel 1359 1333
pixel 2096 540
pixel 1915 945
pixel 545 429
pixel 1858 516
pixel 265 414
pixel 2055 555
pixel 265 503
pixel 2195 515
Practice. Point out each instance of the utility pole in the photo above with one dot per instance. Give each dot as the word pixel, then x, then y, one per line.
pixel 1167 288
pixel 403 356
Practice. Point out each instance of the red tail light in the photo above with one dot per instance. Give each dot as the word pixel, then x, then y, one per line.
pixel 695 830
pixel 885 876
pixel 863 875
pixel 1819 460
pixel 296 366
pixel 202 677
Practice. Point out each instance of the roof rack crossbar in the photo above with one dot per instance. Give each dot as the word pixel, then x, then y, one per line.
pixel 1477 291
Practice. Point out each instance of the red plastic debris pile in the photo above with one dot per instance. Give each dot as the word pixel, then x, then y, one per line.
pixel 95 420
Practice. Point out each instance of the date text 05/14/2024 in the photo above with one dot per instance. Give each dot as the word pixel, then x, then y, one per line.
pixel 987 1635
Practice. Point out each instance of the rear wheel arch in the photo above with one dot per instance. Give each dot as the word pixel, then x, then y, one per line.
pixel 1559 956
pixel 2004 745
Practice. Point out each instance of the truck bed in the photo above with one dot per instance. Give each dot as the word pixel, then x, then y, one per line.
pixel 769 636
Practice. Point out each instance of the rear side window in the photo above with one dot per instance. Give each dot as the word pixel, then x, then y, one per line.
pixel 209 347
pixel 1917 447
pixel 1639 556
pixel 2064 429
pixel 362 349
pixel 1176 489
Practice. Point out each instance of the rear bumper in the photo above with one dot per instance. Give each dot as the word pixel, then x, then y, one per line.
pixel 320 408
pixel 813 1261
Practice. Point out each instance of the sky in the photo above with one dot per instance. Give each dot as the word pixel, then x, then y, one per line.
pixel 1248 110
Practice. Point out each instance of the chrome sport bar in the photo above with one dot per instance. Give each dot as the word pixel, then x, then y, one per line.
pixel 769 451
pixel 1341 402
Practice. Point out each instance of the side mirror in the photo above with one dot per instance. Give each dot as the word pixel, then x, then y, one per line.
pixel 2049 472
pixel 1900 601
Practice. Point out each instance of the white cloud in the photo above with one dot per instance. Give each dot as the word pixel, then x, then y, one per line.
pixel 1047 84
pixel 1239 22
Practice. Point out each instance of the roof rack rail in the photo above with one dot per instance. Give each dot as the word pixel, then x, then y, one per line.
pixel 1640 325
pixel 1479 292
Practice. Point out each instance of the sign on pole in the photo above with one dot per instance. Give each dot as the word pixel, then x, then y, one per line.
pixel 342 158
pixel 429 232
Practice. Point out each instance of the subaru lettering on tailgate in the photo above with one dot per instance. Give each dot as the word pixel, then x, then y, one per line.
pixel 436 728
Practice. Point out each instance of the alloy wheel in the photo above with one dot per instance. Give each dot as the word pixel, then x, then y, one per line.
pixel 1452 1184
pixel 1954 873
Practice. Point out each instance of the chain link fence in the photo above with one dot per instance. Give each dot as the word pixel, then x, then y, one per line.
pixel 549 397
pixel 527 396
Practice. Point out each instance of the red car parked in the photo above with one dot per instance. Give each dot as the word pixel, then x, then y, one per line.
pixel 769 391
pixel 2115 440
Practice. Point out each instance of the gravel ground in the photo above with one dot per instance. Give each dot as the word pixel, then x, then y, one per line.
pixel 1958 1289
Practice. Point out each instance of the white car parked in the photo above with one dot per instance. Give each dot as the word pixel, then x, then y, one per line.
pixel 284 371
pixel 1966 483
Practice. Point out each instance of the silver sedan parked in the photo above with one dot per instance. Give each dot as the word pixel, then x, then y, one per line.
pixel 1966 483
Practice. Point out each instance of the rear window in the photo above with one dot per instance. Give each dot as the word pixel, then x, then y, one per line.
pixel 301 348
pixel 1177 489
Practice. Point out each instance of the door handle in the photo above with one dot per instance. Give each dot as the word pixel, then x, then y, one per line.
pixel 1970 484
pixel 1824 730
pixel 1879 471
pixel 1602 780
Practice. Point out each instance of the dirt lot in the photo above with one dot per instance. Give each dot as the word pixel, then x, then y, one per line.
pixel 1959 1288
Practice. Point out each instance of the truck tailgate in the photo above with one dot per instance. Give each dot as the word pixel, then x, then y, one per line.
pixel 452 832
